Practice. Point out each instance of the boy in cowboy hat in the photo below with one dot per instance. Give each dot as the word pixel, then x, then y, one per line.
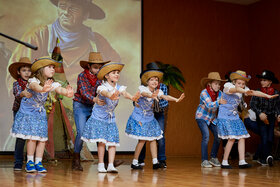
pixel 210 99
pixel 84 99
pixel 266 110
pixel 101 127
pixel 142 124
pixel 21 72
pixel 230 126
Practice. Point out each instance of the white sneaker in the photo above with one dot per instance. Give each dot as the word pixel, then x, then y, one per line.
pixel 112 170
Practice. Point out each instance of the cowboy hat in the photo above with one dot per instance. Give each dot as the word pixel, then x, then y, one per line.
pixel 94 58
pixel 14 67
pixel 107 68
pixel 212 76
pixel 269 75
pixel 95 12
pixel 239 75
pixel 42 62
pixel 147 74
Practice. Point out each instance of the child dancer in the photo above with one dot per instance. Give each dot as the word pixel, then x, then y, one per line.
pixel 21 72
pixel 142 124
pixel 266 110
pixel 210 99
pixel 230 126
pixel 31 120
pixel 101 126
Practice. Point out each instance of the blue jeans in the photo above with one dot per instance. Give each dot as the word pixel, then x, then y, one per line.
pixel 255 128
pixel 205 139
pixel 161 142
pixel 82 113
pixel 267 136
pixel 19 147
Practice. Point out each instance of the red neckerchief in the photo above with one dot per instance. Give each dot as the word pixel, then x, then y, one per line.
pixel 91 77
pixel 212 93
pixel 22 83
pixel 268 90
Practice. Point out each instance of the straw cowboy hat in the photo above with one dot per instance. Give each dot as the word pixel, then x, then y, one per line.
pixel 147 74
pixel 42 62
pixel 95 12
pixel 14 67
pixel 239 75
pixel 94 58
pixel 107 68
pixel 212 76
pixel 269 75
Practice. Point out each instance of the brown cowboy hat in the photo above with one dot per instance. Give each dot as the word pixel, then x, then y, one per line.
pixel 212 76
pixel 107 68
pixel 42 62
pixel 147 74
pixel 94 58
pixel 95 12
pixel 14 67
pixel 239 75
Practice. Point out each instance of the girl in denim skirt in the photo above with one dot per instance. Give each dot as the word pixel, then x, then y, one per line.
pixel 101 127
pixel 31 119
pixel 142 124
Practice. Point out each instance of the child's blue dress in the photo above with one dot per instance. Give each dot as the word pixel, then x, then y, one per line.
pixel 31 119
pixel 142 124
pixel 230 126
pixel 101 126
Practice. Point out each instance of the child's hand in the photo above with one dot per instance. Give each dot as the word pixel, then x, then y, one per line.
pixel 115 95
pixel 136 96
pixel 272 96
pixel 155 94
pixel 222 101
pixel 26 94
pixel 99 101
pixel 249 92
pixel 263 117
pixel 47 86
pixel 180 98
pixel 278 118
pixel 70 91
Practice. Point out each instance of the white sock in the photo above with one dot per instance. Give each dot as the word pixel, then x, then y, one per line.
pixel 101 166
pixel 225 162
pixel 110 166
pixel 135 162
pixel 30 157
pixel 242 162
pixel 155 160
pixel 37 160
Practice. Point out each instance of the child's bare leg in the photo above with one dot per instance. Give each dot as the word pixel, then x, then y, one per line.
pixel 101 151
pixel 138 149
pixel 241 148
pixel 31 146
pixel 153 147
pixel 112 153
pixel 227 151
pixel 39 151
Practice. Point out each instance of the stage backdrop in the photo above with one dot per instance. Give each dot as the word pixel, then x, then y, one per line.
pixel 111 27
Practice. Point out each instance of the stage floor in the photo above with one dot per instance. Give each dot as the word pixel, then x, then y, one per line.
pixel 179 172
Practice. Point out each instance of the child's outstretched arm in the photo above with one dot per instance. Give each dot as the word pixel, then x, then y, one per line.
pixel 237 90
pixel 37 88
pixel 170 98
pixel 261 94
pixel 128 96
pixel 68 91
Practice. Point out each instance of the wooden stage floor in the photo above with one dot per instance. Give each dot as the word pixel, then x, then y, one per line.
pixel 180 172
